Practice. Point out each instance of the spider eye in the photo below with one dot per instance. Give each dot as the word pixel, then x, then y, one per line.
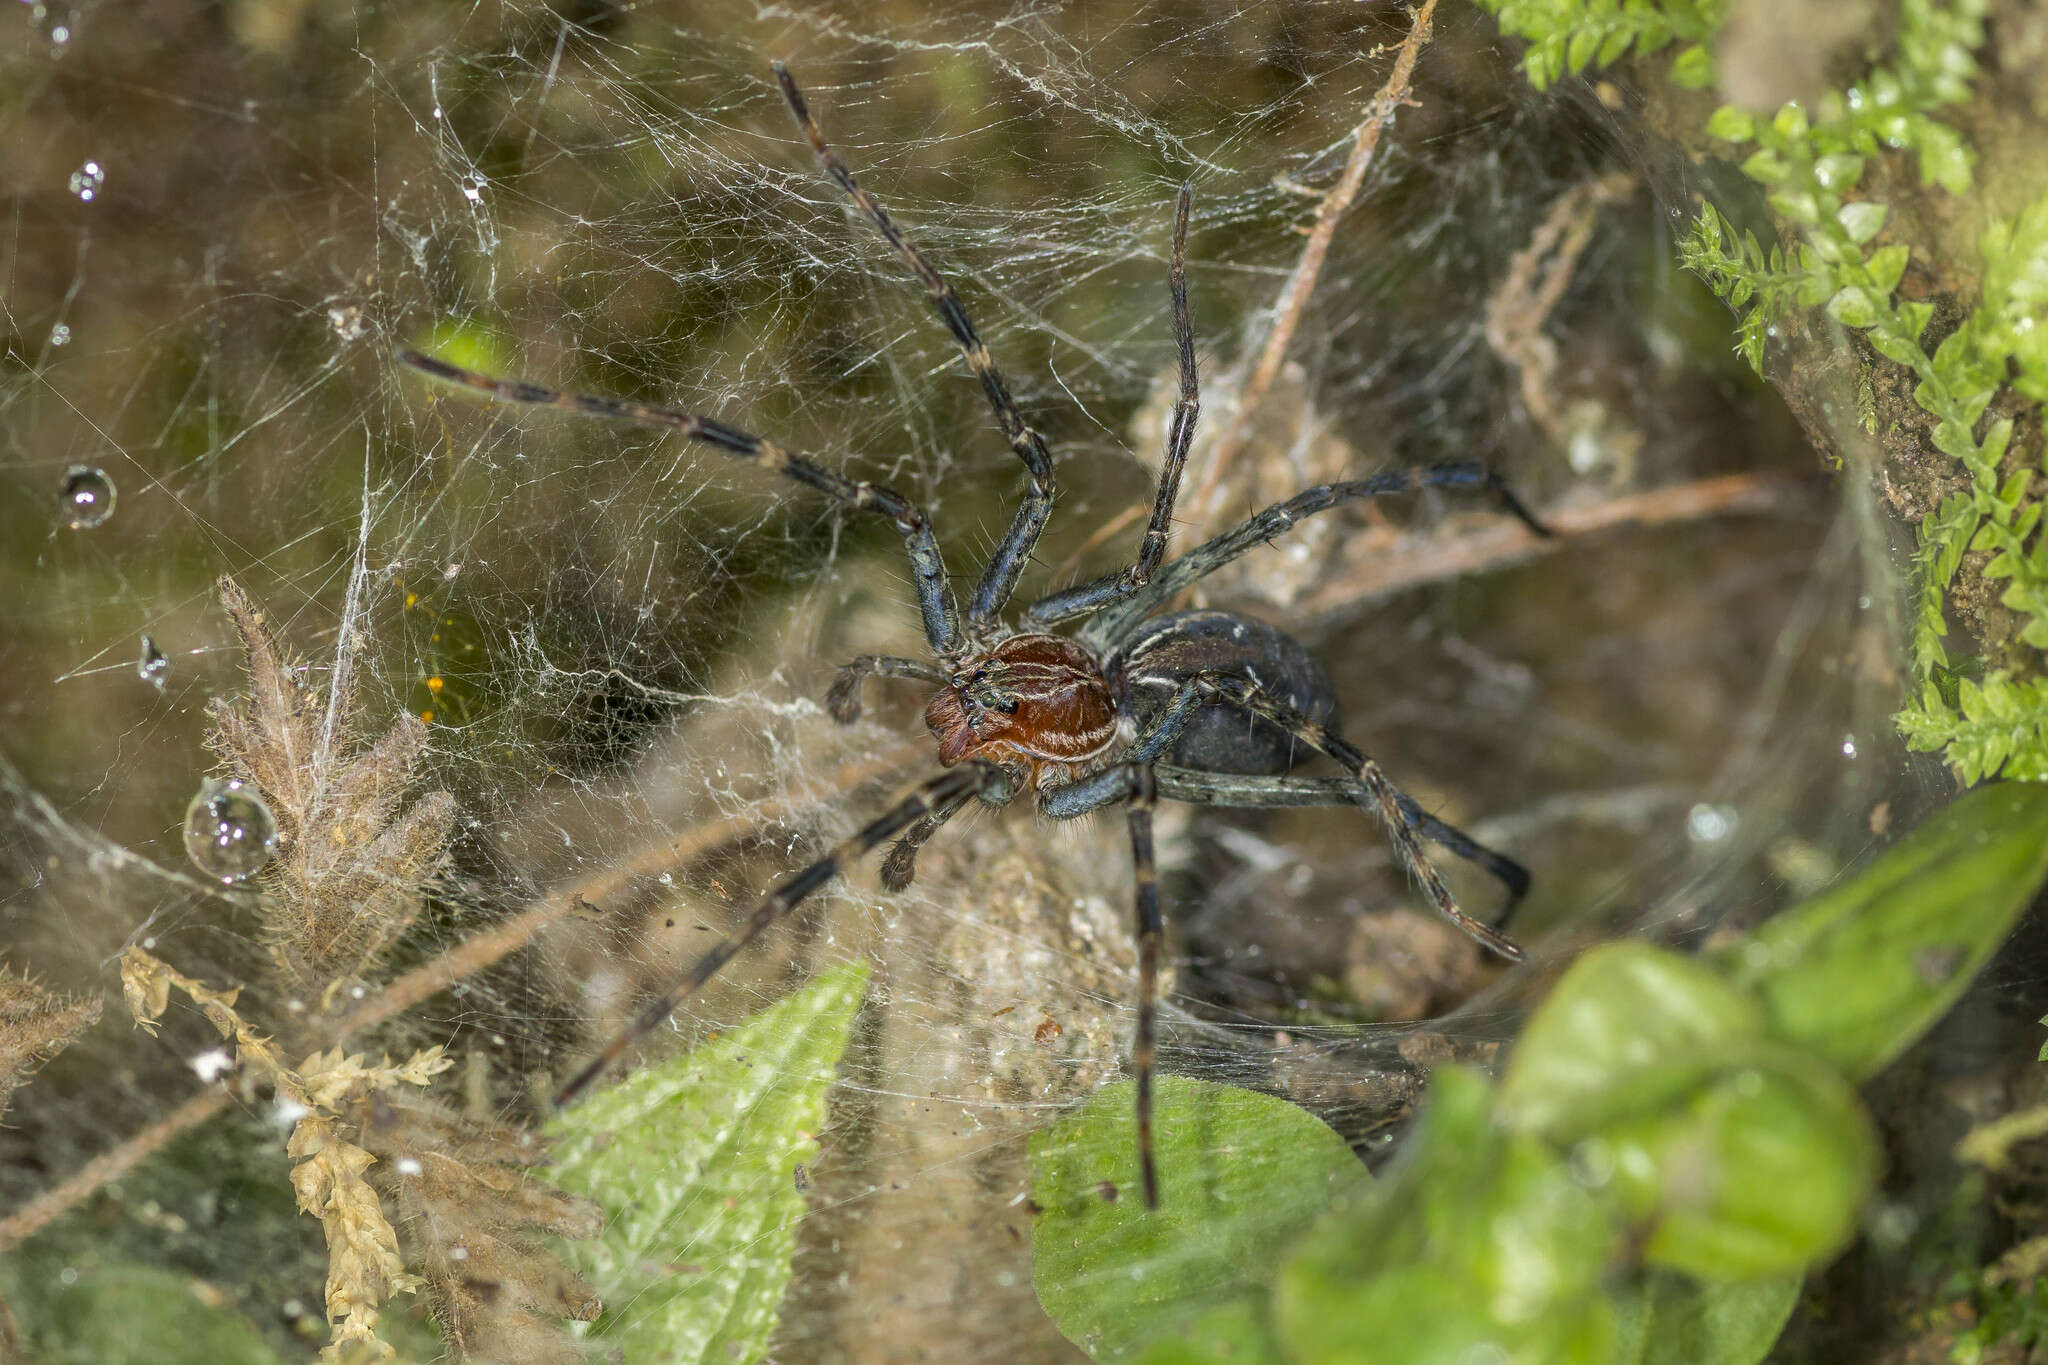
pixel 1008 706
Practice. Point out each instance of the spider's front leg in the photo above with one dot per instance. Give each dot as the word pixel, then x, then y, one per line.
pixel 843 700
pixel 1133 784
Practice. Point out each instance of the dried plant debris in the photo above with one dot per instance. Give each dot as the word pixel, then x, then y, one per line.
pixel 466 1195
pixel 34 1023
pixel 352 869
pixel 364 1268
pixel 353 858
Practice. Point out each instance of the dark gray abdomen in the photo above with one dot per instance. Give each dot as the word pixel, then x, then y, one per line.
pixel 1169 650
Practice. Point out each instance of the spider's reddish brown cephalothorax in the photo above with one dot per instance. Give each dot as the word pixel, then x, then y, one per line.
pixel 1205 707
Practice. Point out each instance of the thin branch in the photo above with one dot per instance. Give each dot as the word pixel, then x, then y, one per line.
pixel 1379 562
pixel 25 1223
pixel 1302 284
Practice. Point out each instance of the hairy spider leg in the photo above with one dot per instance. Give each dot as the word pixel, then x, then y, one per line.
pixel 1014 551
pixel 1151 928
pixel 899 869
pixel 1180 433
pixel 967 780
pixel 843 699
pixel 1130 782
pixel 928 572
pixel 1109 625
pixel 1381 796
pixel 1198 787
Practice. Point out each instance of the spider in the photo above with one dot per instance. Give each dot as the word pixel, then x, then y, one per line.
pixel 1204 707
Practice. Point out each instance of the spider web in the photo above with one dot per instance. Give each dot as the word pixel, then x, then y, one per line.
pixel 222 226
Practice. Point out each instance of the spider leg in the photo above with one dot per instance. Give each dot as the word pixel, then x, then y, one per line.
pixel 934 590
pixel 1014 552
pixel 1397 812
pixel 1180 433
pixel 899 869
pixel 843 700
pixel 1200 788
pixel 1281 517
pixel 1131 783
pixel 956 783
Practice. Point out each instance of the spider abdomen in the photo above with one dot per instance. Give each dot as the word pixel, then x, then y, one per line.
pixel 1172 650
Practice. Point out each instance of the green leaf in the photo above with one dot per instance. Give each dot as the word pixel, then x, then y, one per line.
pixel 1731 124
pixel 1693 68
pixel 1886 264
pixel 1853 306
pixel 1231 1333
pixel 1629 1026
pixel 1240 1175
pixel 1861 220
pixel 1478 1244
pixel 693 1160
pixel 1671 1319
pixel 1861 970
pixel 1760 1173
pixel 120 1314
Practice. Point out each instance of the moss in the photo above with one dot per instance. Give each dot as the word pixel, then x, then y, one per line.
pixel 1835 177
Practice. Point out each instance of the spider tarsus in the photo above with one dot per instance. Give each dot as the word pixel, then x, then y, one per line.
pixel 899 869
pixel 842 700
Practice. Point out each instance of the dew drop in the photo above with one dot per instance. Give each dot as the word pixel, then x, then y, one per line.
pixel 60 335
pixel 153 665
pixel 87 498
pixel 86 181
pixel 1710 824
pixel 229 832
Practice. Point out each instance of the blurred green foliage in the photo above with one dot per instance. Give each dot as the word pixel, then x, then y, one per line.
pixel 1673 1142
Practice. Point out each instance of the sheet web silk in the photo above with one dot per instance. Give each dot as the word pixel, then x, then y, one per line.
pixel 620 644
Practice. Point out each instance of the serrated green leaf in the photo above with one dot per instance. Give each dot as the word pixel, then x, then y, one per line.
pixel 693 1161
pixel 1861 970
pixel 1670 1319
pixel 1628 1026
pixel 1240 1175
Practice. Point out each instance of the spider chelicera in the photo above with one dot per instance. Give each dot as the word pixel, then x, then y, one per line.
pixel 1205 707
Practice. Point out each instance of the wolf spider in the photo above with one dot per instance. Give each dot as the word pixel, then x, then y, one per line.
pixel 1206 707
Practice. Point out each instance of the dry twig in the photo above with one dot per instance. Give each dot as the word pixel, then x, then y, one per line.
pixel 1287 316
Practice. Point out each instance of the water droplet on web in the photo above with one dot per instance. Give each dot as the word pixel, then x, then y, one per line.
pixel 87 497
pixel 1710 824
pixel 60 335
pixel 473 189
pixel 87 179
pixel 229 832
pixel 153 665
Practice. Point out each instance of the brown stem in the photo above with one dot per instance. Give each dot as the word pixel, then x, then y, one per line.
pixel 25 1223
pixel 1379 562
pixel 1303 282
